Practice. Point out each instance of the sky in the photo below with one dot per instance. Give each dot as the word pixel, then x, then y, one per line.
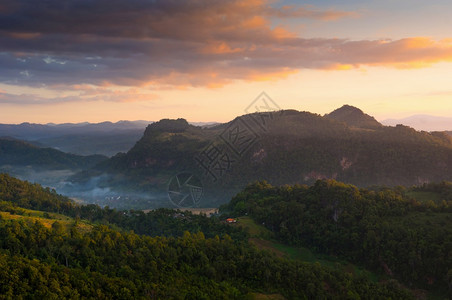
pixel 207 60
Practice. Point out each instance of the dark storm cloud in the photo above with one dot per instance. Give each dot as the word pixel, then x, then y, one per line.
pixel 200 42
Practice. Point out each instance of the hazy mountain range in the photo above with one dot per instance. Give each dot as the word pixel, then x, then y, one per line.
pixel 105 138
pixel 47 166
pixel 422 122
pixel 20 153
pixel 85 138
pixel 286 147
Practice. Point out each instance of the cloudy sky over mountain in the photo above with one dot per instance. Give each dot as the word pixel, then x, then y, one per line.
pixel 85 60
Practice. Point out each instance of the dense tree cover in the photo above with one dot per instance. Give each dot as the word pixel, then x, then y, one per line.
pixel 33 196
pixel 379 228
pixel 106 263
pixel 20 153
pixel 161 222
pixel 37 262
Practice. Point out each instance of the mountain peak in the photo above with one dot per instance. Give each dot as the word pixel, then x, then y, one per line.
pixel 353 117
pixel 349 108
pixel 169 125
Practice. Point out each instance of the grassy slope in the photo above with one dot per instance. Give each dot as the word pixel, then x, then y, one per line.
pixel 46 219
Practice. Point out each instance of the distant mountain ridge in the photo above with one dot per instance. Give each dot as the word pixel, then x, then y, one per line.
pixel 423 122
pixel 32 131
pixel 105 138
pixel 293 147
pixel 14 152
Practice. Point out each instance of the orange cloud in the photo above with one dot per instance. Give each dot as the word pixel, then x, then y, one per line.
pixel 254 22
pixel 342 67
pixel 220 48
pixel 281 33
pixel 271 75
pixel 416 52
pixel 417 42
pixel 24 35
pixel 309 11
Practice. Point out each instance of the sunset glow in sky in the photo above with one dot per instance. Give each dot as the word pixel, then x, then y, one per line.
pixel 206 60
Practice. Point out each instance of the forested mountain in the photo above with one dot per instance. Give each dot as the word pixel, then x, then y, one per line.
pixel 19 153
pixel 387 230
pixel 285 147
pixel 50 255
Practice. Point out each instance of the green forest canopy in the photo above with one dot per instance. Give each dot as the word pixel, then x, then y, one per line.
pixel 108 260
